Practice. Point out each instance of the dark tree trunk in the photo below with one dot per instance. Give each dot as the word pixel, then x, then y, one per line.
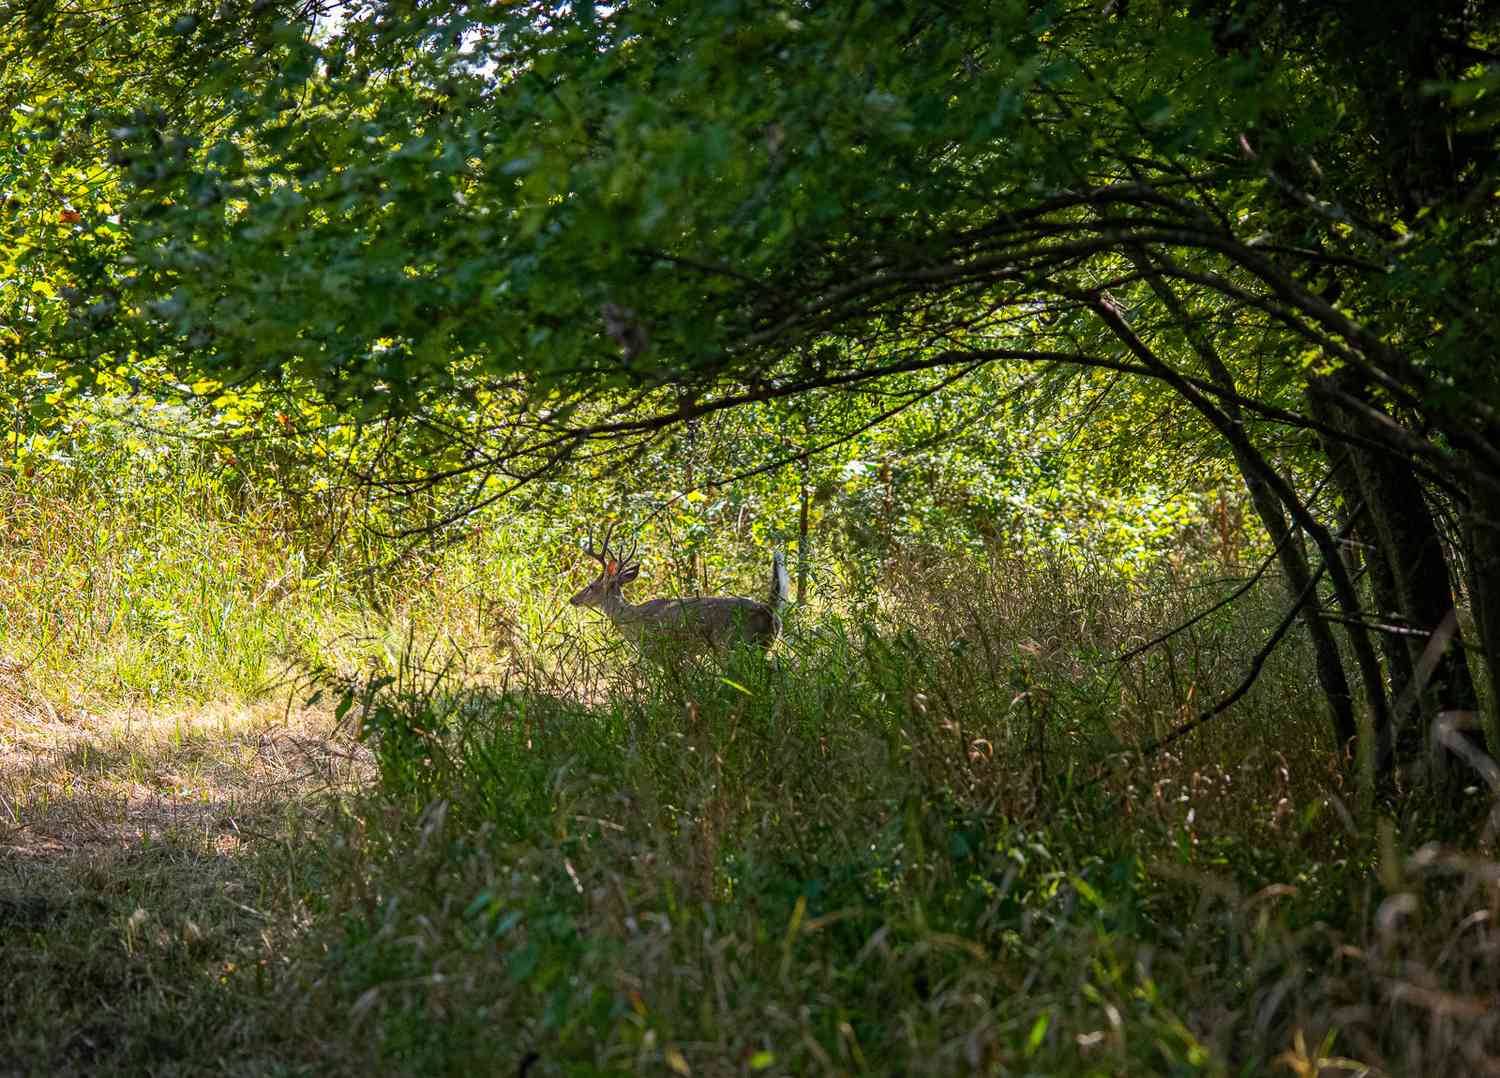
pixel 1357 527
pixel 804 553
pixel 1294 567
pixel 1406 536
pixel 1256 469
pixel 1387 604
pixel 1482 540
pixel 1403 520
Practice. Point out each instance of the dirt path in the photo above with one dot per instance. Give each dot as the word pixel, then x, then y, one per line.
pixel 153 868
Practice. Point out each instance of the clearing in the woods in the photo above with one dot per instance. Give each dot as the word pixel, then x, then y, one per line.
pixel 154 869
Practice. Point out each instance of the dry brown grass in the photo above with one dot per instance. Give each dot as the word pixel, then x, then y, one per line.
pixel 151 866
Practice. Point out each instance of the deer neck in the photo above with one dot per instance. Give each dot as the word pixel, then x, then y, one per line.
pixel 624 616
pixel 614 606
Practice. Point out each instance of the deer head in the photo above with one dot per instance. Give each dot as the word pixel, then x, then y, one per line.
pixel 615 570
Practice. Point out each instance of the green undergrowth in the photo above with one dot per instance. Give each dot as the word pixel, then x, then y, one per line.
pixel 189 581
pixel 895 848
pixel 116 592
pixel 919 838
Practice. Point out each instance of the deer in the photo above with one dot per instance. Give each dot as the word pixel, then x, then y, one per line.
pixel 687 626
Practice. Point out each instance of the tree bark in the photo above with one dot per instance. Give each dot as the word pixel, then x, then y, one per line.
pixel 1482 540
pixel 804 554
pixel 1384 601
pixel 1407 539
pixel 1253 464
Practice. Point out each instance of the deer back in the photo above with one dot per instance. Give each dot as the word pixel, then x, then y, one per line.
pixel 695 624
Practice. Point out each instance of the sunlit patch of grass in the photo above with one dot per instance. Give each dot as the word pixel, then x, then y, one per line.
pixel 124 590
pixel 158 772
pixel 145 597
pixel 154 864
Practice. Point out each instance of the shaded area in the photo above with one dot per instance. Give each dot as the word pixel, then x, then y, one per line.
pixel 152 868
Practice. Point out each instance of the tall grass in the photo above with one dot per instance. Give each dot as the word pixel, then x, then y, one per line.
pixel 163 573
pixel 904 845
pixel 920 838
pixel 124 592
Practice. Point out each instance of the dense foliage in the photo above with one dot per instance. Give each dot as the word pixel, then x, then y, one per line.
pixel 514 236
pixel 381 302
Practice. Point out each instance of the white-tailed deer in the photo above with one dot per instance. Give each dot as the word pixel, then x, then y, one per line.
pixel 685 626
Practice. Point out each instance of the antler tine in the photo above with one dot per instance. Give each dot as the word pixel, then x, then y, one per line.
pixel 602 554
pixel 635 543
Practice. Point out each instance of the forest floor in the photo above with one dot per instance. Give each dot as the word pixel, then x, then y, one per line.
pixel 911 845
pixel 151 865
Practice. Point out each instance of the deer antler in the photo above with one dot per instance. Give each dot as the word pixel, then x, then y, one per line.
pixel 629 559
pixel 602 554
pixel 613 561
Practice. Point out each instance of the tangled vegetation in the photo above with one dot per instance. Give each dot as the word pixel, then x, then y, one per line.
pixel 1116 380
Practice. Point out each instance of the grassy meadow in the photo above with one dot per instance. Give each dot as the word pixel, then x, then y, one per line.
pixel 265 811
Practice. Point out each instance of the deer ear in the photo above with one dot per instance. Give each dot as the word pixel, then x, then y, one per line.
pixel 611 567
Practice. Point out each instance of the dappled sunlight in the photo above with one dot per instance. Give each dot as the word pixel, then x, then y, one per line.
pixel 193 778
pixel 1105 391
pixel 146 855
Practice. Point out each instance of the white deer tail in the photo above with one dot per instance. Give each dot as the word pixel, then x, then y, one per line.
pixel 781 583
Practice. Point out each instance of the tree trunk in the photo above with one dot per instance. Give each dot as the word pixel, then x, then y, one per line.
pixel 803 553
pixel 1406 536
pixel 1384 601
pixel 1294 567
pixel 1482 539
pixel 1256 468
